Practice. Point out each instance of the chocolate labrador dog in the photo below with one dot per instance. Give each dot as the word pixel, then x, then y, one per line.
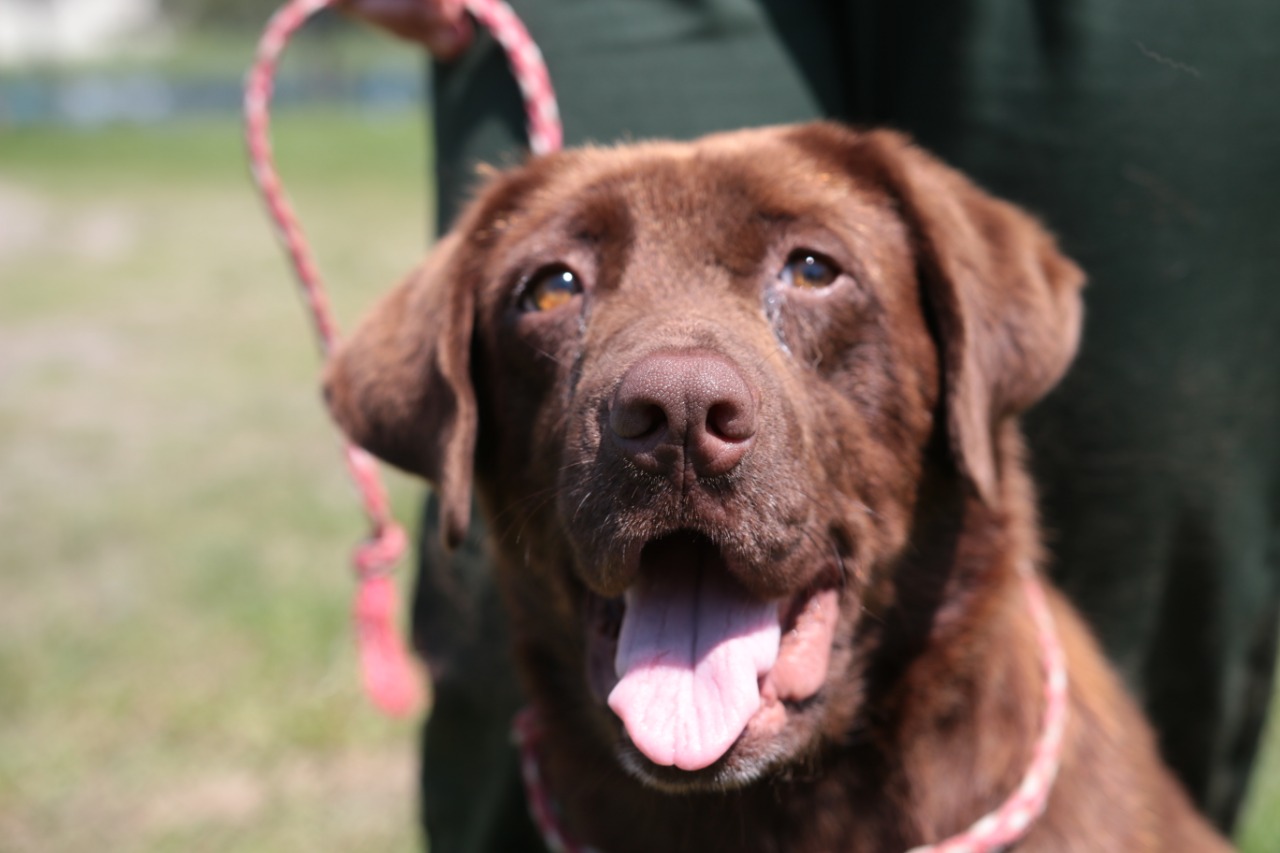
pixel 741 416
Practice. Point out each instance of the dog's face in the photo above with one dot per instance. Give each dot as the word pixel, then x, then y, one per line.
pixel 702 387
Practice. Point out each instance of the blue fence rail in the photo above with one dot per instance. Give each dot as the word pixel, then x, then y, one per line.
pixel 142 97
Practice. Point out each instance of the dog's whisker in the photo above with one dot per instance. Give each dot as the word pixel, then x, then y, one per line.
pixel 548 497
pixel 538 497
pixel 554 358
pixel 581 504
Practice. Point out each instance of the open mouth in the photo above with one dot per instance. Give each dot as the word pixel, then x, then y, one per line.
pixel 698 663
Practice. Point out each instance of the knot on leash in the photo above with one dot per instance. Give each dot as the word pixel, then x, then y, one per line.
pixel 389 677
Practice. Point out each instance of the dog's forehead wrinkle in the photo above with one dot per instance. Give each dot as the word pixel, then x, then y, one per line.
pixel 687 185
pixel 601 211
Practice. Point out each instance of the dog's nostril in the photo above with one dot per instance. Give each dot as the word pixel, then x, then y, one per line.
pixel 730 421
pixel 632 420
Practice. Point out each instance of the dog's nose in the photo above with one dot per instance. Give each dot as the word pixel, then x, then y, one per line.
pixel 687 409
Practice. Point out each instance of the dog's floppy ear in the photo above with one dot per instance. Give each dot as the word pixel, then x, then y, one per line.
pixel 1005 300
pixel 400 387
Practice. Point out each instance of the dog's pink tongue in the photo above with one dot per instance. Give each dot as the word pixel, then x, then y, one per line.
pixel 692 648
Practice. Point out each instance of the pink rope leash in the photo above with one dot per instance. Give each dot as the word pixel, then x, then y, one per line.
pixel 389 678
pixel 546 134
pixel 994 831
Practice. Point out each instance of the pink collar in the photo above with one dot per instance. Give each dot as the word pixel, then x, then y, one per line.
pixel 993 831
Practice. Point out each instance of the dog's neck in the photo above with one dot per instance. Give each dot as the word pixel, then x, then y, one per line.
pixel 955 692
pixel 954 683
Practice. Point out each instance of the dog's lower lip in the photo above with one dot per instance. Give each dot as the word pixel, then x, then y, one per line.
pixel 808 632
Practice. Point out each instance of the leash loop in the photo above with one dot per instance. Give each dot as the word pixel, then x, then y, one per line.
pixel 390 679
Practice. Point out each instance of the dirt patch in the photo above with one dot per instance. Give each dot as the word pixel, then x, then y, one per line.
pixel 25 218
pixel 32 223
pixel 229 798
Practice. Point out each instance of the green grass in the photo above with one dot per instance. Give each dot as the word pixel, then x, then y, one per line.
pixel 176 663
pixel 176 666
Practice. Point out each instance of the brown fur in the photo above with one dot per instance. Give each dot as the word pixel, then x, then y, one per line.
pixel 887 461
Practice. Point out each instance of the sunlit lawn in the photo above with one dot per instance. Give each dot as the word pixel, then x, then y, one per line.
pixel 176 666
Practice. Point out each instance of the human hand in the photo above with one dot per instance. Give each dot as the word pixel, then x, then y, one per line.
pixel 441 25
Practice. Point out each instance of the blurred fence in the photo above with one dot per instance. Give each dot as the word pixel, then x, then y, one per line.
pixel 93 98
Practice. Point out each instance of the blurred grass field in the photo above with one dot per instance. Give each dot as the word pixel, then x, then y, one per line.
pixel 176 665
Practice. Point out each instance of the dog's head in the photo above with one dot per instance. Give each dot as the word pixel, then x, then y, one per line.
pixel 702 389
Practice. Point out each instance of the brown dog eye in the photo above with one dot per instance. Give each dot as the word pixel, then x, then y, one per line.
pixel 549 289
pixel 809 269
